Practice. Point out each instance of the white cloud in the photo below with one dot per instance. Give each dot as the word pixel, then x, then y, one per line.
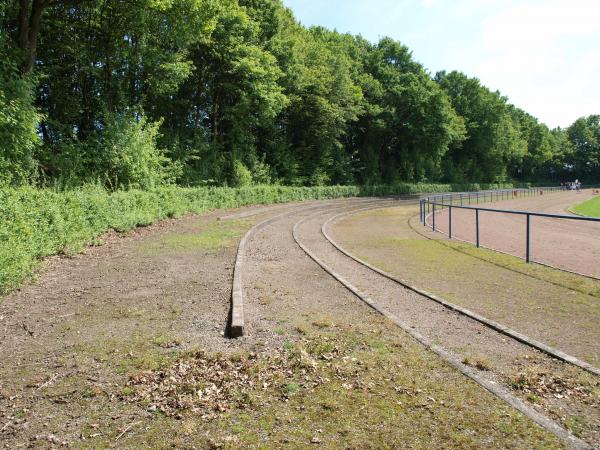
pixel 545 55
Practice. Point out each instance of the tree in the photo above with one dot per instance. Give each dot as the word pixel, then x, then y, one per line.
pixel 409 123
pixel 18 117
pixel 584 134
pixel 493 139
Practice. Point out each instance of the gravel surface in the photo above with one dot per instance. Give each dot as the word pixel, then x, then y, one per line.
pixel 464 337
pixel 68 341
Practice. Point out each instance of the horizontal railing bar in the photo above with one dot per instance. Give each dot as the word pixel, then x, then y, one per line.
pixel 521 213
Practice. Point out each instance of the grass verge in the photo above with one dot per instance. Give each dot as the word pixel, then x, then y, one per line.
pixel 35 223
pixel 591 208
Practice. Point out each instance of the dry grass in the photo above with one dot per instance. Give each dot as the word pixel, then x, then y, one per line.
pixel 343 387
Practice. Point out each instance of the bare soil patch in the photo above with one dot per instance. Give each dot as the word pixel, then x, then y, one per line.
pixel 68 341
pixel 123 347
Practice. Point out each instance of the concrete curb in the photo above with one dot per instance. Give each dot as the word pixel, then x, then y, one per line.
pixel 495 389
pixel 555 353
pixel 237 325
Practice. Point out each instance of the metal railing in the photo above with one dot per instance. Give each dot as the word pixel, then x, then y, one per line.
pixel 429 205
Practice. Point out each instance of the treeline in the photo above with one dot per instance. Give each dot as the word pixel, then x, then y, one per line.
pixel 235 92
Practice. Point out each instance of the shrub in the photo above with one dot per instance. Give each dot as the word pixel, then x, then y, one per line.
pixel 35 223
pixel 126 154
pixel 241 175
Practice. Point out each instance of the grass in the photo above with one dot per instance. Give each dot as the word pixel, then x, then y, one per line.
pixel 36 223
pixel 212 237
pixel 591 208
pixel 348 387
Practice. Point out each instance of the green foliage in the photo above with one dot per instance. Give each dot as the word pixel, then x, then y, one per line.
pixel 219 83
pixel 241 175
pixel 493 138
pixel 35 223
pixel 18 122
pixel 585 137
pixel 125 154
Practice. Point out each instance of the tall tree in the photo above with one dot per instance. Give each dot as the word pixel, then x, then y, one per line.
pixel 493 138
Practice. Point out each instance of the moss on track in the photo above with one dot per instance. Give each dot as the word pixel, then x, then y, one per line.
pixel 555 307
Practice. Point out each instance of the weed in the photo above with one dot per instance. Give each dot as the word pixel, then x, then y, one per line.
pixel 127 391
pixel 322 323
pixel 576 424
pixel 289 389
pixel 164 341
pixel 289 346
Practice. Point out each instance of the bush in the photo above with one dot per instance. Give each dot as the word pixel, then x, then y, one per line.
pixel 126 155
pixel 35 223
pixel 241 175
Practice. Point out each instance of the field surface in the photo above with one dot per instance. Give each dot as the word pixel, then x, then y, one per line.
pixel 125 346
pixel 568 244
pixel 590 208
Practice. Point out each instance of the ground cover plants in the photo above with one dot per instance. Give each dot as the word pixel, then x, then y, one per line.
pixel 35 223
pixel 342 385
pixel 591 208
pixel 500 287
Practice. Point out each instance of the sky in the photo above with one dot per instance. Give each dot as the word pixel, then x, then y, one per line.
pixel 544 55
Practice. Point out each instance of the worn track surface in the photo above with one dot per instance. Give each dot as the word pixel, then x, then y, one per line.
pixel 70 339
pixel 462 337
pixel 568 244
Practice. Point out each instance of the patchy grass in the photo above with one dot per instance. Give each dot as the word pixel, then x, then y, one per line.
pixel 211 237
pixel 346 387
pixel 591 208
pixel 559 308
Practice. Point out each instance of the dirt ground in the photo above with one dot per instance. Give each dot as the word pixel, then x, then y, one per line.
pixel 569 244
pixel 105 350
pixel 550 313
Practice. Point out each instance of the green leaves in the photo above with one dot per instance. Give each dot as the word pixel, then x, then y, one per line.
pixel 221 83
pixel 19 119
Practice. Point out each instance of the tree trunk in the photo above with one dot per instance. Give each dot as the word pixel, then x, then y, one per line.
pixel 30 14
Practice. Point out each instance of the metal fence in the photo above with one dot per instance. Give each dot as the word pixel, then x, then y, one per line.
pixel 429 205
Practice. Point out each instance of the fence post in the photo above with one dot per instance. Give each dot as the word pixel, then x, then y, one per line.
pixel 450 222
pixel 421 211
pixel 477 226
pixel 434 217
pixel 528 240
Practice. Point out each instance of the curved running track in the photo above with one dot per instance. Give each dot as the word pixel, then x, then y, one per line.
pixel 449 333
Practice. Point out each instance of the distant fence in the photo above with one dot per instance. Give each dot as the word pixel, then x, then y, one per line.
pixel 430 205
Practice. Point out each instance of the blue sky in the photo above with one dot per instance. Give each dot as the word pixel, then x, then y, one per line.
pixel 544 55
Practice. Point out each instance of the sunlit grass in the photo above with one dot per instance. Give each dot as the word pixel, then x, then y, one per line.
pixel 591 208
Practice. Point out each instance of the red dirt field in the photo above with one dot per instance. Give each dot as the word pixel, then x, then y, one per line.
pixel 566 244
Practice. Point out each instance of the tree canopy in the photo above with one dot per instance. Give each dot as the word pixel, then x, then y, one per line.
pixel 195 92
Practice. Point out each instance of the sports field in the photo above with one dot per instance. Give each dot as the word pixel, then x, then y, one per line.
pixel 361 329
